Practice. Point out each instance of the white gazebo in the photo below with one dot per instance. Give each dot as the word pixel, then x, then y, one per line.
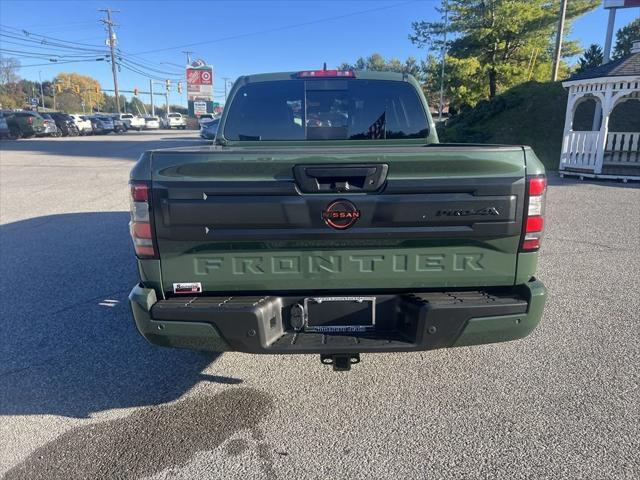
pixel 595 148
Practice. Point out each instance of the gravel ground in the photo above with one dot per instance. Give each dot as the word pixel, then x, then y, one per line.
pixel 83 396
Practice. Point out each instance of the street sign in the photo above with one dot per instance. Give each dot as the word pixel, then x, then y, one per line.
pixel 200 82
pixel 199 108
pixel 621 3
pixel 33 101
pixel 199 88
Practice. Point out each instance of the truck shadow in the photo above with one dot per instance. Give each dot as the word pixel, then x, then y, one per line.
pixel 68 345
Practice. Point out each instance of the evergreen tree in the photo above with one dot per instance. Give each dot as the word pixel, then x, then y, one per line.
pixel 591 58
pixel 625 38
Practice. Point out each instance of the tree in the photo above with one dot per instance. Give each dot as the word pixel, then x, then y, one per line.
pixel 625 38
pixel 109 104
pixel 505 41
pixel 591 58
pixel 378 63
pixel 137 107
pixel 9 70
pixel 76 90
pixel 464 82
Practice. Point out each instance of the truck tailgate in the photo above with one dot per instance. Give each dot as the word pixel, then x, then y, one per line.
pixel 238 220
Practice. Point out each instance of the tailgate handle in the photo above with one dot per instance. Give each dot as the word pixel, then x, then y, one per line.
pixel 340 178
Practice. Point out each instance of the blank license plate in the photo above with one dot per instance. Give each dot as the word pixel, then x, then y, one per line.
pixel 340 314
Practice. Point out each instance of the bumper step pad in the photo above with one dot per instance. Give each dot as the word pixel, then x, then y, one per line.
pixel 404 322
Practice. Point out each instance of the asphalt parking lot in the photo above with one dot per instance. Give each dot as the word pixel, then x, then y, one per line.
pixel 82 395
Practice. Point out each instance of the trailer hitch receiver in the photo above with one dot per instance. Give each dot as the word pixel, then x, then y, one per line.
pixel 341 362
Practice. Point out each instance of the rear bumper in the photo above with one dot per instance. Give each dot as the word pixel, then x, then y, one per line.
pixel 408 322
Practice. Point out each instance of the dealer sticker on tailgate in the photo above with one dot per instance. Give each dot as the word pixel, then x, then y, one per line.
pixel 187 288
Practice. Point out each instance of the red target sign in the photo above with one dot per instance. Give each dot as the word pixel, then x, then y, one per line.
pixel 199 77
pixel 205 76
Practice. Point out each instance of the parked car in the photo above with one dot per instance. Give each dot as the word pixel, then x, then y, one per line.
pixel 102 124
pixel 174 120
pixel 4 127
pixel 206 118
pixel 50 128
pixel 386 242
pixel 208 130
pixel 25 124
pixel 83 123
pixel 119 125
pixel 131 121
pixel 151 123
pixel 65 124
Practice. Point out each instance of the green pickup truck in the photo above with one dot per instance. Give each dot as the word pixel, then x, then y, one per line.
pixel 326 218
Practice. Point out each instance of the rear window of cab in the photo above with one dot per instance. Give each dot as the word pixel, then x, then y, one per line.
pixel 326 109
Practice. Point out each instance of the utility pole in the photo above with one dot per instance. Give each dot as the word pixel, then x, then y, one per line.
pixel 444 53
pixel 559 35
pixel 166 96
pixel 607 41
pixel 188 54
pixel 41 89
pixel 112 45
pixel 225 79
pixel 153 108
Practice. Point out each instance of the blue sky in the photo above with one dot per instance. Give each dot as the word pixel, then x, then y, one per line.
pixel 248 34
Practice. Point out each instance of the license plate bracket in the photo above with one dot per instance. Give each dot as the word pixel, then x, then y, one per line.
pixel 351 314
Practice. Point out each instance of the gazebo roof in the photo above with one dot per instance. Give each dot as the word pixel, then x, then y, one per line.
pixel 625 66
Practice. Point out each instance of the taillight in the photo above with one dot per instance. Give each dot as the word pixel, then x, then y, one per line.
pixel 326 73
pixel 534 214
pixel 140 225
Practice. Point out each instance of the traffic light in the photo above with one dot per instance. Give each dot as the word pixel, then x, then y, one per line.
pixel 179 87
pixel 168 84
pixel 135 92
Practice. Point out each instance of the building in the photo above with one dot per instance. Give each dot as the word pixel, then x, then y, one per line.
pixel 602 122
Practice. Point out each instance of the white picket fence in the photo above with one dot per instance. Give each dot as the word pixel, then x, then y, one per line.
pixel 623 148
pixel 579 150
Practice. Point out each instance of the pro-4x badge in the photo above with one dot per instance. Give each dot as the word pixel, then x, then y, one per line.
pixel 340 214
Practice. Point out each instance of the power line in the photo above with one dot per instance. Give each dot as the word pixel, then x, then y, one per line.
pixel 164 72
pixel 277 29
pixel 22 53
pixel 87 22
pixel 57 63
pixel 39 46
pixel 132 66
pixel 49 43
pixel 27 33
pixel 144 74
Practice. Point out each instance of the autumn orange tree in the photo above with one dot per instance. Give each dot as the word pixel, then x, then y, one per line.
pixel 77 89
